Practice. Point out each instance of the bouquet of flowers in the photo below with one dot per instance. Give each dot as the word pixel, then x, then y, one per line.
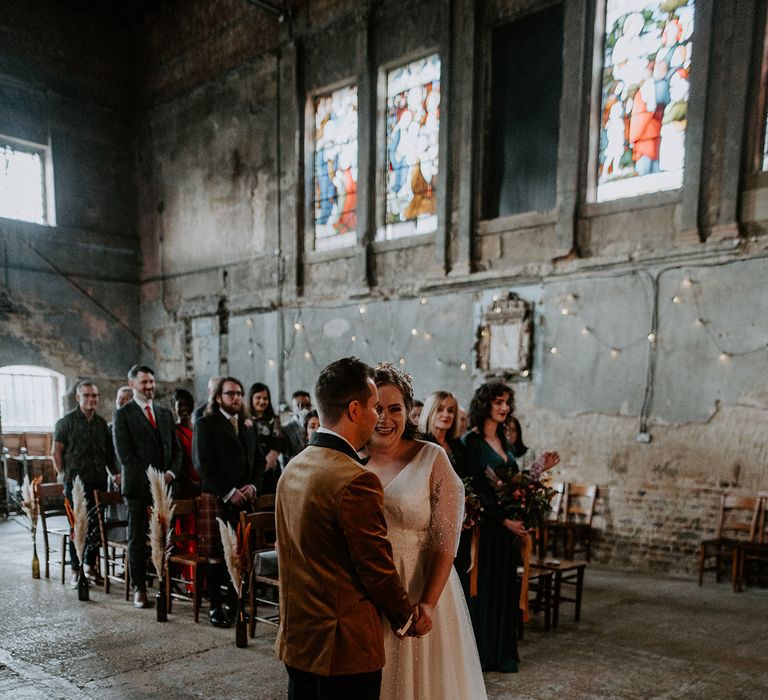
pixel 473 508
pixel 521 495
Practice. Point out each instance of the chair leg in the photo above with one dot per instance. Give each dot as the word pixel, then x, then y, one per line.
pixel 579 587
pixel 556 602
pixel 702 558
pixel 195 592
pixel 547 582
pixel 167 591
pixel 252 608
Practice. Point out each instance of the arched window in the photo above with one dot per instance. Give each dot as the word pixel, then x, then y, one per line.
pixel 31 398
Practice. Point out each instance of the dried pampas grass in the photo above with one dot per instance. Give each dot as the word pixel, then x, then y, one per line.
pixel 237 553
pixel 80 517
pixel 160 519
pixel 29 502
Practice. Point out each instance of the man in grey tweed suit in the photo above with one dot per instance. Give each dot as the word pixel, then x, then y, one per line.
pixel 144 435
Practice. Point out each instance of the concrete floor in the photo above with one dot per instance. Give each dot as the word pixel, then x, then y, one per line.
pixel 639 637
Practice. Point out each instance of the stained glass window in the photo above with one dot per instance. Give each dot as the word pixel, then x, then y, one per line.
pixel 644 107
pixel 335 169
pixel 413 124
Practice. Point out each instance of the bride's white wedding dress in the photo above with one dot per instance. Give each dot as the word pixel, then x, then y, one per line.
pixel 424 507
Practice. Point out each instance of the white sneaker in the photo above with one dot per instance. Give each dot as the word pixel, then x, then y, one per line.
pixel 73 580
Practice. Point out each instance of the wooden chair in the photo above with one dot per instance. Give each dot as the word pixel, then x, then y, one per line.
pixel 565 574
pixel 539 595
pixel 576 527
pixel 736 523
pixel 38 444
pixel 50 500
pixel 752 555
pixel 13 442
pixel 265 569
pixel 182 563
pixel 114 543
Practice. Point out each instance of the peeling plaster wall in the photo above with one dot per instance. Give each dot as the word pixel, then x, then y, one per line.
pixel 79 100
pixel 229 270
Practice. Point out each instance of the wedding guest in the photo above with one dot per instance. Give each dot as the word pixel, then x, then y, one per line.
pixel 189 479
pixel 439 424
pixel 463 421
pixel 83 447
pixel 119 511
pixel 494 604
pixel 222 450
pixel 144 436
pixel 268 438
pixel 200 410
pixel 311 424
pixel 301 404
pixel 423 506
pixel 414 415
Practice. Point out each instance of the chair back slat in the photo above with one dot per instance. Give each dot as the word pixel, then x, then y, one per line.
pixel 580 503
pixel 556 504
pixel 263 529
pixel 266 502
pixel 50 499
pixel 738 517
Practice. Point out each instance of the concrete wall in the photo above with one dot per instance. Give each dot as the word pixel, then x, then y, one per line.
pixel 66 78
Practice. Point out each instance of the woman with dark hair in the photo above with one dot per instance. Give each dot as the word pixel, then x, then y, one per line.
pixel 268 438
pixel 183 406
pixel 423 506
pixel 311 424
pixel 494 600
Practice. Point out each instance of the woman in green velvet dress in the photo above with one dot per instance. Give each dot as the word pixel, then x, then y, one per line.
pixel 494 608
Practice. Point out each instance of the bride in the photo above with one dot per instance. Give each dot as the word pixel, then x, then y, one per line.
pixel 423 505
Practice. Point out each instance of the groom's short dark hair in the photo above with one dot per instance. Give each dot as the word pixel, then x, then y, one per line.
pixel 338 385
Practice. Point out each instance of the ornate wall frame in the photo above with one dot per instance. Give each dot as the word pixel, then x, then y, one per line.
pixel 505 338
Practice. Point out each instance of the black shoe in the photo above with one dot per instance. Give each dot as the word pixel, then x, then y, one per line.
pixel 219 618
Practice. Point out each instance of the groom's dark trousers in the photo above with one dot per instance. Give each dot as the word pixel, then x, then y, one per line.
pixel 308 686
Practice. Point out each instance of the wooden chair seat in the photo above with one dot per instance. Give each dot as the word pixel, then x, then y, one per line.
pixel 265 570
pixel 50 500
pixel 185 569
pixel 540 585
pixel 737 522
pixel 565 573
pixel 114 548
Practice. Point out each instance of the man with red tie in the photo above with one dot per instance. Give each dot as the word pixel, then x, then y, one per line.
pixel 144 436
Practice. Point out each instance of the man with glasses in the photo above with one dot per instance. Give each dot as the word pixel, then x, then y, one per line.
pixel 83 447
pixel 223 450
pixel 144 435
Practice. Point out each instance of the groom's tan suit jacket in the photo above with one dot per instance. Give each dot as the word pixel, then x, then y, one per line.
pixel 336 567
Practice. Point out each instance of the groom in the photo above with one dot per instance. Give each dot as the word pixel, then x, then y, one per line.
pixel 336 567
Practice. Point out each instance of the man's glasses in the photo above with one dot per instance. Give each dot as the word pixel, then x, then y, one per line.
pixel 90 396
pixel 232 393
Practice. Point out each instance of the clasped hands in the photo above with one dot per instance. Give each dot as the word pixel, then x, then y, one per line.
pixel 421 622
pixel 243 495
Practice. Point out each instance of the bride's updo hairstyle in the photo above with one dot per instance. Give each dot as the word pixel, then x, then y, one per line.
pixel 386 373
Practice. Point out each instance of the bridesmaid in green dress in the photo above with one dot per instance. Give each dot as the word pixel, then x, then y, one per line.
pixel 494 608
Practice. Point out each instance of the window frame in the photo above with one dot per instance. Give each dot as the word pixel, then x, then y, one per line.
pixel 46 159
pixel 58 395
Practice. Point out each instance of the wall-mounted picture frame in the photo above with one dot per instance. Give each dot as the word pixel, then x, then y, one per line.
pixel 505 339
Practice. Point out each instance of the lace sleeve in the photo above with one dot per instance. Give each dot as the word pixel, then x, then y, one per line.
pixel 447 505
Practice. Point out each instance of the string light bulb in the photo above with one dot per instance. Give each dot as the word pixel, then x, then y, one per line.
pixel 427 335
pixel 699 322
pixel 725 356
pixel 687 282
pixel 270 362
pixel 554 350
pixel 677 300
pixel 414 331
pixel 495 297
pixel 402 361
pixel 423 301
pixel 354 338
pixel 463 366
pixel 565 312
pixel 586 331
pixel 525 373
pixel 297 326
pixel 651 337
pixel 249 322
pixel 307 354
pixel 615 352
pixel 363 309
